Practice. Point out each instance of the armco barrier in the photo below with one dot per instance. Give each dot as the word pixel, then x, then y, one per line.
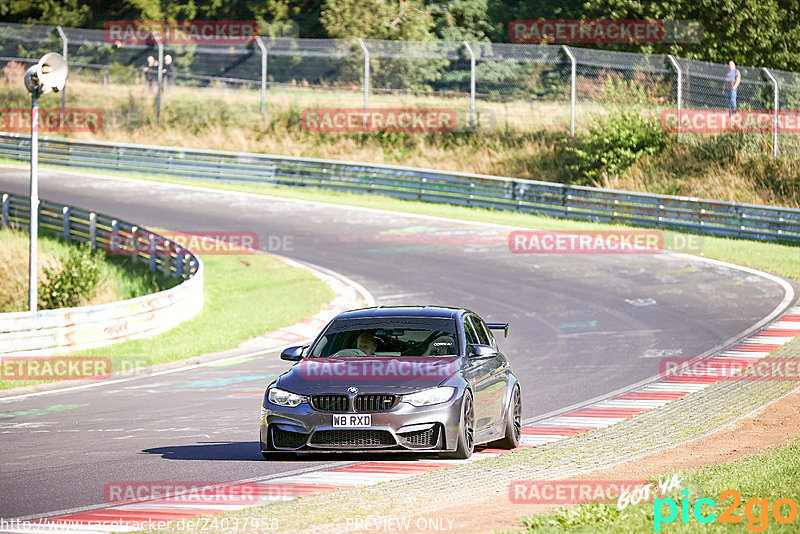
pixel 710 217
pixel 47 332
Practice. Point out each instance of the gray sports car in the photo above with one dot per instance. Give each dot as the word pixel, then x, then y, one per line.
pixel 422 378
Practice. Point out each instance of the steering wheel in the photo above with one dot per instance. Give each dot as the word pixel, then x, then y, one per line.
pixel 348 352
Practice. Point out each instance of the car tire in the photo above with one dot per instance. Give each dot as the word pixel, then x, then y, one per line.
pixel 466 431
pixel 513 426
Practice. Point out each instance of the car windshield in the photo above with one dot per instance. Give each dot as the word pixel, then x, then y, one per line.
pixel 388 336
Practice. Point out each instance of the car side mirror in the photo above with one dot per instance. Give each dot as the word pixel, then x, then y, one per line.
pixel 481 352
pixel 293 354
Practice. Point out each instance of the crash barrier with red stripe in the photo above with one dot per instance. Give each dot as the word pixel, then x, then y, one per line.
pixel 710 217
pixel 47 332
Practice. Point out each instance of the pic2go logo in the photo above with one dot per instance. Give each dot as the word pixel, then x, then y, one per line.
pixel 783 511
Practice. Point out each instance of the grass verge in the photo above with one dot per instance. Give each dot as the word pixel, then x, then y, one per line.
pixel 771 475
pixel 245 296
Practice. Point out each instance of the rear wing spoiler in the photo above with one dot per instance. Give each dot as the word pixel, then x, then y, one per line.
pixel 499 326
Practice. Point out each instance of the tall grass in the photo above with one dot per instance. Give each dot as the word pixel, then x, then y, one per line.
pixel 118 278
pixel 518 138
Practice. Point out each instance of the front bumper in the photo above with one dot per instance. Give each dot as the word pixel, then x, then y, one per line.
pixel 403 428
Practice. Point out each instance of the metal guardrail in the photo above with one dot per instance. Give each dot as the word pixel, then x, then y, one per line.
pixel 67 329
pixel 710 217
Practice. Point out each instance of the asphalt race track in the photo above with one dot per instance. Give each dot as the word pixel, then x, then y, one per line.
pixel 582 325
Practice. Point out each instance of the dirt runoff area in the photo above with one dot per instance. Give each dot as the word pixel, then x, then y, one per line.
pixel 775 425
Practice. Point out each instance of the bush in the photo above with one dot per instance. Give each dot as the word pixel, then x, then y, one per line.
pixel 74 283
pixel 612 145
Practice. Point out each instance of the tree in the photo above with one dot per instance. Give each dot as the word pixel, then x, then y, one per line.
pixel 462 20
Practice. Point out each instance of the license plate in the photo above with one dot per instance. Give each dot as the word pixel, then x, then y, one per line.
pixel 352 421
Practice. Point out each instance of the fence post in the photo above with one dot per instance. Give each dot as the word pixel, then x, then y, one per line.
pixel 572 88
pixel 677 68
pixel 64 49
pixel 160 67
pixel 366 79
pixel 4 220
pixel 93 230
pixel 471 84
pixel 135 241
pixel 66 212
pixel 775 96
pixel 264 53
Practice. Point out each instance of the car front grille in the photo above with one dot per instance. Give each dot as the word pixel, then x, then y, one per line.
pixel 285 439
pixel 330 403
pixel 352 438
pixel 375 403
pixel 422 438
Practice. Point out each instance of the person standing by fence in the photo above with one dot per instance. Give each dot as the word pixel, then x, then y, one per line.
pixel 732 81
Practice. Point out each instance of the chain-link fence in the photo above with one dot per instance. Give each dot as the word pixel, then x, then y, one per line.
pixel 487 84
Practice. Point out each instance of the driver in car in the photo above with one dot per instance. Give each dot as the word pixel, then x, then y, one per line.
pixel 366 343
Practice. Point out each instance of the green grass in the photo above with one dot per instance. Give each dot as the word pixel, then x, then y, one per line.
pixel 245 296
pixel 771 475
pixel 779 259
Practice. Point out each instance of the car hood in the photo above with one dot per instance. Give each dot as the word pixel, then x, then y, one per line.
pixel 371 374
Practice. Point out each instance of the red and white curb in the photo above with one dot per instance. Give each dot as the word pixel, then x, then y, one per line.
pixel 656 394
pixel 147 514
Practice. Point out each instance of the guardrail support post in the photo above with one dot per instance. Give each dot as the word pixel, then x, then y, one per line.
pixel 179 262
pixel 677 67
pixel 64 48
pixel 471 84
pixel 152 252
pixel 93 230
pixel 135 244
pixel 366 79
pixel 776 103
pixel 264 53
pixel 66 211
pixel 572 96
pixel 4 218
pixel 167 261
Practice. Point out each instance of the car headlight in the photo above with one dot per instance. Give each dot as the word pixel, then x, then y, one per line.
pixel 285 398
pixel 430 396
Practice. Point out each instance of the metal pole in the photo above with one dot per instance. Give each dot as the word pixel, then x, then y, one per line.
pixel 471 84
pixel 263 75
pixel 64 42
pixel 366 79
pixel 34 229
pixel 572 89
pixel 160 68
pixel 677 68
pixel 775 95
